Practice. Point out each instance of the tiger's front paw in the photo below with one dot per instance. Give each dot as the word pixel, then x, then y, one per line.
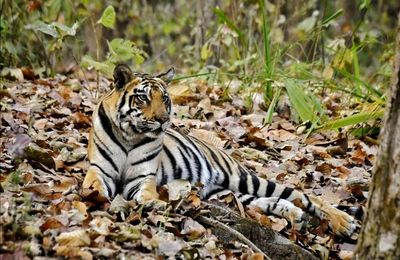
pixel 93 187
pixel 147 191
pixel 146 195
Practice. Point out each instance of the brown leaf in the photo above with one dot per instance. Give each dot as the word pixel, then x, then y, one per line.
pixel 193 229
pixel 101 225
pixel 28 73
pixel 36 154
pixel 51 223
pixel 81 207
pixel 256 213
pixel 16 148
pixel 77 237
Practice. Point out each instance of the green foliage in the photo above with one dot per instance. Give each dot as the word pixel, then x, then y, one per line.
pixel 269 66
pixel 304 103
pixel 354 119
pixel 314 44
pixel 119 50
pixel 108 17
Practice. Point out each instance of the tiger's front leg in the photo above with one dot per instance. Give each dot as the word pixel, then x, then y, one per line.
pixel 95 182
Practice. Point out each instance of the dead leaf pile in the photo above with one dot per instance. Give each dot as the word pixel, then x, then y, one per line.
pixel 44 136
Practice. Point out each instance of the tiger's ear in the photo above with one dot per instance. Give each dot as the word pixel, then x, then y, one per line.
pixel 122 75
pixel 167 76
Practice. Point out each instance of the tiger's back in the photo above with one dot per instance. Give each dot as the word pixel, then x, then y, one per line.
pixel 132 150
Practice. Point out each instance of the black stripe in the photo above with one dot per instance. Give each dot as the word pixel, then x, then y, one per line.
pixel 226 181
pixel 286 193
pixel 107 127
pixel 106 156
pixel 214 191
pixel 101 142
pixel 226 175
pixel 256 184
pixel 243 182
pixel 164 178
pixel 270 189
pixel 109 190
pixel 142 142
pixel 199 167
pixel 275 205
pixel 182 144
pixel 200 157
pixel 130 99
pixel 103 172
pixel 248 200
pixel 122 103
pixel 309 205
pixel 215 157
pixel 227 164
pixel 148 157
pixel 132 191
pixel 177 171
pixel 140 176
pixel 187 165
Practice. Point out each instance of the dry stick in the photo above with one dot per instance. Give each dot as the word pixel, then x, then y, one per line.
pixel 237 234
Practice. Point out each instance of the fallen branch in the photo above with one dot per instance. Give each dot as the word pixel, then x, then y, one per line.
pixel 236 234
pixel 259 238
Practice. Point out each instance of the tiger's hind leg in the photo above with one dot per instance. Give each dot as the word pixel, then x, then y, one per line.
pixel 94 182
pixel 339 221
pixel 273 205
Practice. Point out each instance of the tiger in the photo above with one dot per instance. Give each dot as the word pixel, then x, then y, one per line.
pixel 133 149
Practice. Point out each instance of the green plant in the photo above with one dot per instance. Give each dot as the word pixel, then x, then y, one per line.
pixel 119 50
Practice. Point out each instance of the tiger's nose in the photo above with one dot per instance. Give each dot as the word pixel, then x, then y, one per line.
pixel 162 118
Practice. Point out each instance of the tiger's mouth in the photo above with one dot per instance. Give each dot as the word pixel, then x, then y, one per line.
pixel 152 126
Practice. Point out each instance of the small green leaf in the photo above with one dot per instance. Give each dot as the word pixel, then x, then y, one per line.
pixel 106 68
pixel 65 29
pixel 45 28
pixel 108 17
pixel 121 50
pixel 307 24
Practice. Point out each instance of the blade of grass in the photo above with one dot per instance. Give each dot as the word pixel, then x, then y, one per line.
pixel 271 108
pixel 354 119
pixel 225 19
pixel 305 104
pixel 268 66
pixel 327 21
pixel 351 77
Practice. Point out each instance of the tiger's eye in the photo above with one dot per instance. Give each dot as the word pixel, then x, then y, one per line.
pixel 141 98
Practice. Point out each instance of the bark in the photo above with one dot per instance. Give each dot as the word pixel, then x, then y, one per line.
pixel 380 233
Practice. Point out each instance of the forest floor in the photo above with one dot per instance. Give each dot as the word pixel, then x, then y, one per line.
pixel 44 136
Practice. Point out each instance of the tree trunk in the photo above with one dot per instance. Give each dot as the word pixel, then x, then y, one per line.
pixel 380 233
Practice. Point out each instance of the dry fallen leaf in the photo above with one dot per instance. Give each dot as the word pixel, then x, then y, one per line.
pixel 178 189
pixel 193 229
pixel 73 238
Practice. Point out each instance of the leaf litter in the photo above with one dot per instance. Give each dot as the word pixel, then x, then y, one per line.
pixel 45 125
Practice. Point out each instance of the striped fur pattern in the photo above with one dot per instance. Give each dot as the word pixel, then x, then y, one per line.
pixel 132 150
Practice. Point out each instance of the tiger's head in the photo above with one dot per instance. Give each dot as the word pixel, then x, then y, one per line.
pixel 141 101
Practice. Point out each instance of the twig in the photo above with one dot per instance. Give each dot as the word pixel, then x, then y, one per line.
pixel 238 235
